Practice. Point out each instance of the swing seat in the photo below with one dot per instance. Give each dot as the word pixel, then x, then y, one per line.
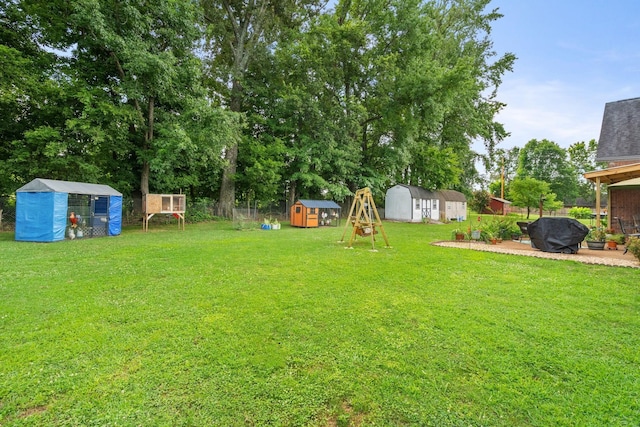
pixel 366 231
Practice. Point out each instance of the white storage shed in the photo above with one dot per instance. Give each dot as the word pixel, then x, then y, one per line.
pixel 453 205
pixel 411 204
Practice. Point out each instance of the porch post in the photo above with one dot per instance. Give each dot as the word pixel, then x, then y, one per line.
pixel 598 201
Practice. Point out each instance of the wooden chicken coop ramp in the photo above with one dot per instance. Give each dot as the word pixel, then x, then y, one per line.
pixel 364 219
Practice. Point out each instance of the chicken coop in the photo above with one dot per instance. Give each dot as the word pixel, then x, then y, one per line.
pixel 169 204
pixel 49 210
pixel 315 213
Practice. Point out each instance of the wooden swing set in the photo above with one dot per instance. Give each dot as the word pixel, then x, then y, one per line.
pixel 364 219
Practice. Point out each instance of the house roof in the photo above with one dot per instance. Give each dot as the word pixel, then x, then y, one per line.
pixel 40 185
pixel 620 131
pixel 419 192
pixel 453 196
pixel 635 182
pixel 319 204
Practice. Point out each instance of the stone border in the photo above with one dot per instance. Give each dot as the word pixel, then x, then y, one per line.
pixel 579 257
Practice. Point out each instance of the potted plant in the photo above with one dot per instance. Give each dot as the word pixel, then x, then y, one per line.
pixel 596 239
pixel 266 224
pixel 492 237
pixel 613 240
pixel 457 234
pixel 275 225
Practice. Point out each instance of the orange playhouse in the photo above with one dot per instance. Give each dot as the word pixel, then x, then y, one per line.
pixel 314 213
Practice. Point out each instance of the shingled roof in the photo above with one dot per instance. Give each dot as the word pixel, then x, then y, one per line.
pixel 620 131
pixel 419 192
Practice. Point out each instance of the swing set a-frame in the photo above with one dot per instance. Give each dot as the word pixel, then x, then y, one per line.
pixel 364 219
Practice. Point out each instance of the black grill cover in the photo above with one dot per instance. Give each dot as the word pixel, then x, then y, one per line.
pixel 559 235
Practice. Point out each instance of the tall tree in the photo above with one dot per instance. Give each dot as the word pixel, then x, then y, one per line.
pixel 582 156
pixel 237 31
pixel 547 161
pixel 133 86
pixel 527 192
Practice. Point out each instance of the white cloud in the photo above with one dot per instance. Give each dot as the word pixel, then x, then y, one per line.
pixel 563 112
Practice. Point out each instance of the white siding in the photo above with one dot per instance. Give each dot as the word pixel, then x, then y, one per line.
pixel 398 204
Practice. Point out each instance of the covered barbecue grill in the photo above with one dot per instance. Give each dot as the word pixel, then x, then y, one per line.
pixel 559 235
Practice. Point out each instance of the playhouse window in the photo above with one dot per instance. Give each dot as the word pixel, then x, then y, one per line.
pixel 298 209
pixel 417 203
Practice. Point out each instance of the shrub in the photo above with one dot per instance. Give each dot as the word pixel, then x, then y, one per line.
pixel 502 226
pixel 580 213
pixel 633 246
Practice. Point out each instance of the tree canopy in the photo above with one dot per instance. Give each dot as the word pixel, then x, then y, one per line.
pixel 270 100
pixel 547 161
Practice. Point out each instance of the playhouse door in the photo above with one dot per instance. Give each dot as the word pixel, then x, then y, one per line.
pixel 312 217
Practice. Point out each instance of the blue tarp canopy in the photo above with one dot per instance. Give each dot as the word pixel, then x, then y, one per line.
pixel 43 207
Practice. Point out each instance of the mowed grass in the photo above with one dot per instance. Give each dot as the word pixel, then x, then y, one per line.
pixel 218 327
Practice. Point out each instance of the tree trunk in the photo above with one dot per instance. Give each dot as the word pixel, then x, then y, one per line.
pixel 227 199
pixel 144 178
pixel 292 193
pixel 148 140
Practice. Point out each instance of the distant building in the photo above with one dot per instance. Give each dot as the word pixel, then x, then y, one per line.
pixel 497 206
pixel 453 205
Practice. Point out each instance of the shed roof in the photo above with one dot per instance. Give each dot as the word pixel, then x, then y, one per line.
pixel 319 204
pixel 453 196
pixel 620 131
pixel 419 192
pixel 501 200
pixel 41 185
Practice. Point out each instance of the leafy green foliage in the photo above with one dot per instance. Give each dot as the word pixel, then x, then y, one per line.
pixel 580 212
pixel 633 246
pixel 529 192
pixel 546 161
pixel 582 157
pixel 479 201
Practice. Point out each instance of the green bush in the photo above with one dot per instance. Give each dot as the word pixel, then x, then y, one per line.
pixel 580 213
pixel 633 246
pixel 502 227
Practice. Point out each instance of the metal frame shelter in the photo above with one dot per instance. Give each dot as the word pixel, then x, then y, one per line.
pixel 46 208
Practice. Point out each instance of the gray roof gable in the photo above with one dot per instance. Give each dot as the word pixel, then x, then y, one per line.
pixel 453 196
pixel 620 131
pixel 41 185
pixel 419 192
pixel 319 204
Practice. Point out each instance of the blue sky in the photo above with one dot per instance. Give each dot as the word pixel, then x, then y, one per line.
pixel 573 57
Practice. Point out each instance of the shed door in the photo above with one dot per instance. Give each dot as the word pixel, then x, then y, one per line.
pixel 312 217
pixel 99 215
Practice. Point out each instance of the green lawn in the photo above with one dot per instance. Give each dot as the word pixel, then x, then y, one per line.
pixel 213 326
